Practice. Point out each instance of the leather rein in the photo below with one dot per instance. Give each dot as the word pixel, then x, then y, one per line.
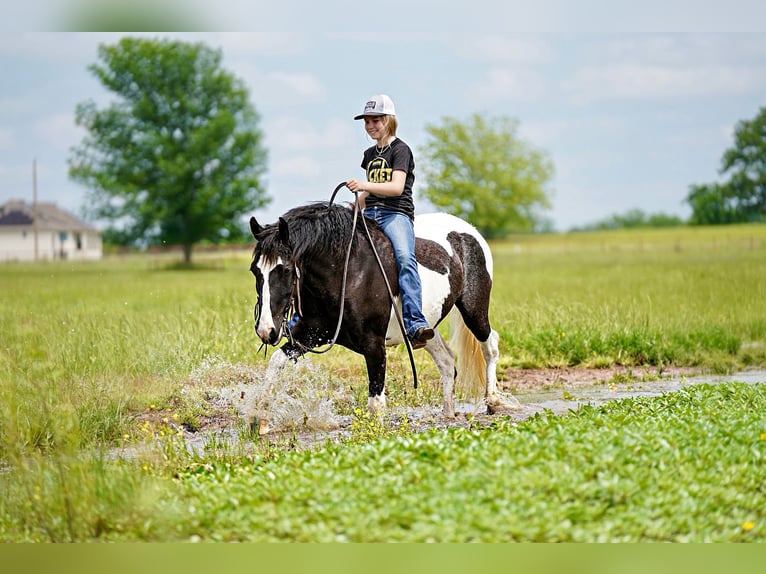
pixel 294 304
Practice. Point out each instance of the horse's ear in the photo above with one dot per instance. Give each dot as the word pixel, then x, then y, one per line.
pixel 284 231
pixel 255 227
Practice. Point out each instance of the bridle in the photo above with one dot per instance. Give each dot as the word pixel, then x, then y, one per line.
pixel 294 303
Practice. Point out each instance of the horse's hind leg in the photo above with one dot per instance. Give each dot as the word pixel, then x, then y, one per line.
pixel 491 351
pixel 445 363
pixel 497 402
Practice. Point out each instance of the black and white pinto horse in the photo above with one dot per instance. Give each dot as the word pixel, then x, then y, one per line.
pixel 298 263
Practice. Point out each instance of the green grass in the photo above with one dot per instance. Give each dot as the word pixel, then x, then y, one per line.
pixel 687 297
pixel 105 340
pixel 683 467
pixel 92 353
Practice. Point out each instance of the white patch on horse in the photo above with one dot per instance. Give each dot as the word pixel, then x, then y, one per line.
pixel 436 227
pixel 435 289
pixel 266 321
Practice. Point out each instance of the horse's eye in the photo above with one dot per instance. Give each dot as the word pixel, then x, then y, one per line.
pixel 283 272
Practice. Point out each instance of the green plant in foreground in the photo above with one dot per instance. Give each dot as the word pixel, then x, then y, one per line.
pixel 686 466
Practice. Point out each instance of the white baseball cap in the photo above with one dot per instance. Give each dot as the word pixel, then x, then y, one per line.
pixel 380 105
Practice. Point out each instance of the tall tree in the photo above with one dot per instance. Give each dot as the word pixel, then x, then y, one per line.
pixel 482 171
pixel 178 157
pixel 742 197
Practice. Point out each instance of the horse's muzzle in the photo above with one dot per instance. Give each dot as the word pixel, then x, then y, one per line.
pixel 268 336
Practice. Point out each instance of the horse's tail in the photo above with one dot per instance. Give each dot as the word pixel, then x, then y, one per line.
pixel 470 365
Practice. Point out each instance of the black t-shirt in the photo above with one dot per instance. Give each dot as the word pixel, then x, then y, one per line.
pixel 380 166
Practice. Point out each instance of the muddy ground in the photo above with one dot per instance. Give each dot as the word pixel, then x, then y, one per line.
pixel 551 390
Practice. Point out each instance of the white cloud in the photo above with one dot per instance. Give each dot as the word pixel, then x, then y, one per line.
pixel 291 133
pixel 682 50
pixel 302 85
pixel 667 66
pixel 512 48
pixel 502 84
pixel 13 107
pixel 278 89
pixel 76 46
pixel 636 82
pixel 17 178
pixel 57 46
pixel 306 167
pixel 514 70
pixel 250 44
pixel 58 130
pixel 7 138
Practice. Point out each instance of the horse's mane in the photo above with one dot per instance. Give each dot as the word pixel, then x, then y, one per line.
pixel 317 230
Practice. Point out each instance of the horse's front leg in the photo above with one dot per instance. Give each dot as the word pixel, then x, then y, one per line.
pixel 279 358
pixel 375 358
pixel 277 362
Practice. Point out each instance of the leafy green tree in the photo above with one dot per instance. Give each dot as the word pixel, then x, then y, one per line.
pixel 741 198
pixel 482 171
pixel 178 157
pixel 710 205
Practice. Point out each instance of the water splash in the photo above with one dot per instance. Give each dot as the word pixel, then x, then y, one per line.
pixel 303 395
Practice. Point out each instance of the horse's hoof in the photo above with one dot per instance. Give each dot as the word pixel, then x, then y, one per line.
pixel 500 403
pixel 377 404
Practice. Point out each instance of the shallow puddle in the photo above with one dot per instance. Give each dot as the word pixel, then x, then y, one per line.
pixel 562 399
pixel 559 400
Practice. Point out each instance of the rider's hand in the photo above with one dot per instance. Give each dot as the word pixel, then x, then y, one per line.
pixel 355 185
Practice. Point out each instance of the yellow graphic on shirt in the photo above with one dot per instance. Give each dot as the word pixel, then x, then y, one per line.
pixel 378 171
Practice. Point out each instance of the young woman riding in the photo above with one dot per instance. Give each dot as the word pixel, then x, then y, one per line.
pixel 386 197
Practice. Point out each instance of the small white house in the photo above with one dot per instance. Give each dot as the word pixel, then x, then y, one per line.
pixel 45 232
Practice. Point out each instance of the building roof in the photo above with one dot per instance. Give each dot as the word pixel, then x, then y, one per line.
pixel 50 217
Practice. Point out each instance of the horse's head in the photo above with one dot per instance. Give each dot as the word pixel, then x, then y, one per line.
pixel 275 279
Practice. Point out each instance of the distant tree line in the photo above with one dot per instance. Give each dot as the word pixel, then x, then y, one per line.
pixel 739 198
pixel 633 218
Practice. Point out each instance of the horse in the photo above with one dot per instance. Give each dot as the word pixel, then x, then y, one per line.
pixel 298 264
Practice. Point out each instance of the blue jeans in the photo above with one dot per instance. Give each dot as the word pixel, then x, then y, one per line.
pixel 401 232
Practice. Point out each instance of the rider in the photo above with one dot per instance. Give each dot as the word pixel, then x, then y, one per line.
pixel 386 197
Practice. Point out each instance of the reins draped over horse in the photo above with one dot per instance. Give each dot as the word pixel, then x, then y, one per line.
pixel 294 309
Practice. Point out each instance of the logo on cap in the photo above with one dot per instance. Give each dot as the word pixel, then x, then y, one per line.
pixel 377 106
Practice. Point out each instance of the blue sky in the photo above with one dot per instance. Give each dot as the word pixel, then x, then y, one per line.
pixel 630 118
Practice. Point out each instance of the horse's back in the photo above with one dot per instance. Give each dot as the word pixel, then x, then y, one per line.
pixel 443 271
pixel 436 227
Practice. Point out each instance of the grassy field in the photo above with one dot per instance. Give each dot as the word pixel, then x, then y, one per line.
pixel 97 356
pixel 682 297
